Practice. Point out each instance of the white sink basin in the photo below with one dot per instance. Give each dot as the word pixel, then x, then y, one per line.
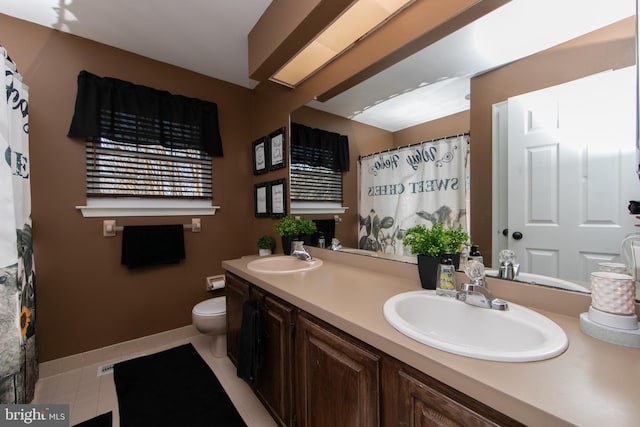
pixel 282 264
pixel 516 335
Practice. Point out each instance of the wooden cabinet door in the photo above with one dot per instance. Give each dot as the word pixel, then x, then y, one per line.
pixel 338 379
pixel 414 399
pixel 273 381
pixel 237 292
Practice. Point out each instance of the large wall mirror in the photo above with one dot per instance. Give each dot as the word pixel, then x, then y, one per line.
pixel 469 81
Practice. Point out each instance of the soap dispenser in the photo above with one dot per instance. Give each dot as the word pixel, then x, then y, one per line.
pixel 446 277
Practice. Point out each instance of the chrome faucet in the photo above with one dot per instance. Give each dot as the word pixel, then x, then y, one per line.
pixel 476 293
pixel 480 296
pixel 300 252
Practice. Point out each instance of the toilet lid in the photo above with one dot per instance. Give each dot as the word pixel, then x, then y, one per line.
pixel 211 307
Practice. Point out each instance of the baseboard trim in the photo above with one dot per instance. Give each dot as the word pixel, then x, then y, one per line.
pixel 114 352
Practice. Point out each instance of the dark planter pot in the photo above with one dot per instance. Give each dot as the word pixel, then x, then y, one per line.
pixel 428 269
pixel 286 244
pixel 307 239
pixel 456 260
pixel 287 240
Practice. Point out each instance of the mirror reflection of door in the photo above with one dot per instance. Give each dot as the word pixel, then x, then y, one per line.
pixel 570 174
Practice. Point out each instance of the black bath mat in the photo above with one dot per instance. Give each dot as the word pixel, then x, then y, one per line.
pixel 103 420
pixel 172 388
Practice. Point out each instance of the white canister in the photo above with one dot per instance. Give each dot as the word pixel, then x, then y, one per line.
pixel 613 267
pixel 613 292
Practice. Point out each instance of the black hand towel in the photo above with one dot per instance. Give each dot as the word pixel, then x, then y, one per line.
pixel 145 245
pixel 250 345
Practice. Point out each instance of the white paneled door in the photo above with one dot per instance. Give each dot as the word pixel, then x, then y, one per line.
pixel 571 174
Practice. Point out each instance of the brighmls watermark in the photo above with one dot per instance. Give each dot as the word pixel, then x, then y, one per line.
pixel 34 415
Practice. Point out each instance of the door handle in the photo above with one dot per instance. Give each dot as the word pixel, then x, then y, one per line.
pixel 517 235
pixel 505 232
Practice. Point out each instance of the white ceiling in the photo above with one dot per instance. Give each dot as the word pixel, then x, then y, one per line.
pixel 205 36
pixel 210 37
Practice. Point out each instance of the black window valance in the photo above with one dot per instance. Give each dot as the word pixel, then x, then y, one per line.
pixel 317 147
pixel 121 111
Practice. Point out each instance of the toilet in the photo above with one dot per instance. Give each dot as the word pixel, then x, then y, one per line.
pixel 210 318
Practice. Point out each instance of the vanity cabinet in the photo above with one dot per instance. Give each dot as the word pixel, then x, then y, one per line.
pixel 273 382
pixel 315 375
pixel 237 292
pixel 412 398
pixel 337 377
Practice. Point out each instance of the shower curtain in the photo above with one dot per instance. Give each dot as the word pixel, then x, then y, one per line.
pixel 418 184
pixel 18 358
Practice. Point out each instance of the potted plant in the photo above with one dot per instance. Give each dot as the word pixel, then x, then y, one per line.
pixel 266 245
pixel 429 244
pixel 287 229
pixel 291 229
pixel 306 229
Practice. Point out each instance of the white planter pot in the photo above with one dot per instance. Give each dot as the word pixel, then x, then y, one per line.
pixel 264 252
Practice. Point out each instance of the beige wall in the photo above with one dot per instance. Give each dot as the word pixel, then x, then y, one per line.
pixel 451 125
pixel 85 298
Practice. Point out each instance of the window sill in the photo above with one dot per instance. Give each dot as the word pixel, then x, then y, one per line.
pixel 308 208
pixel 138 207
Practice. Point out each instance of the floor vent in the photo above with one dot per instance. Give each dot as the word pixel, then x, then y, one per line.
pixel 108 367
pixel 105 369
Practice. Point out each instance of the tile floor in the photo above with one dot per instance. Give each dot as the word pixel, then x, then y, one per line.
pixel 89 395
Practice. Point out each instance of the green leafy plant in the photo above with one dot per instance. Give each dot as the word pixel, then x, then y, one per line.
pixel 288 226
pixel 266 242
pixel 435 241
pixel 306 226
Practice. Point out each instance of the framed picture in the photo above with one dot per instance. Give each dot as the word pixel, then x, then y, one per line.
pixel 262 200
pixel 277 142
pixel 260 156
pixel 278 192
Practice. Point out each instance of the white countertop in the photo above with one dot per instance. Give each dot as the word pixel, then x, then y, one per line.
pixel 593 383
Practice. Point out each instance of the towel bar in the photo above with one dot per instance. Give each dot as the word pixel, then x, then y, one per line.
pixel 109 227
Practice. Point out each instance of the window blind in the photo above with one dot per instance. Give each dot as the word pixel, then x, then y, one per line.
pixel 313 183
pixel 121 169
pixel 321 147
pixel 122 111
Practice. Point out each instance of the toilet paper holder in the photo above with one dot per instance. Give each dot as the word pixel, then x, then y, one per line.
pixel 215 282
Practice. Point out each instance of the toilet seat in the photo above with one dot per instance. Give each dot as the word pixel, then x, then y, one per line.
pixel 211 307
